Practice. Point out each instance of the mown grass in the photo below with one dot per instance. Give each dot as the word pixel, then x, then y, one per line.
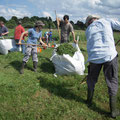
pixel 41 96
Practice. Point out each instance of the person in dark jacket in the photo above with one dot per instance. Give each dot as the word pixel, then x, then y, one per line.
pixel 3 29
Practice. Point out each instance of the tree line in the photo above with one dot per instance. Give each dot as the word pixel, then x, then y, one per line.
pixel 29 22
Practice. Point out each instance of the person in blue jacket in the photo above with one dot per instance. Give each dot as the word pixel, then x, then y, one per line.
pixel 34 34
pixel 50 35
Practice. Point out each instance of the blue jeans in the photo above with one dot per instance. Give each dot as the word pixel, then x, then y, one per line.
pixel 23 46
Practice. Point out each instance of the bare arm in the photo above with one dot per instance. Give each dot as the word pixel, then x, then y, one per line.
pixel 73 34
pixel 26 32
pixel 58 21
pixel 58 24
pixel 5 33
pixel 42 42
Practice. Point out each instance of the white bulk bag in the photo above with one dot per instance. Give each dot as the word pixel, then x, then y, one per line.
pixel 67 65
pixel 7 44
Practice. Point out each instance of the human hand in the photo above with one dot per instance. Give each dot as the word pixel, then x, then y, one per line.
pixel 19 42
pixel 75 41
pixel 2 34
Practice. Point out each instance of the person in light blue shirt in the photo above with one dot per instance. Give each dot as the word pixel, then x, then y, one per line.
pixel 102 53
pixel 34 34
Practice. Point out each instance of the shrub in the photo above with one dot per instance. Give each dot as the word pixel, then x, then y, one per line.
pixel 28 25
pixel 11 24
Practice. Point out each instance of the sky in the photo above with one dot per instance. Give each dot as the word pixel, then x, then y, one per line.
pixel 76 9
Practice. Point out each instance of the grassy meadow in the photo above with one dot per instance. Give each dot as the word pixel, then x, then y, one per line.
pixel 41 96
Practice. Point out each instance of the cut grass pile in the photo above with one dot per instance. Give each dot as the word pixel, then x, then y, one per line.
pixel 66 48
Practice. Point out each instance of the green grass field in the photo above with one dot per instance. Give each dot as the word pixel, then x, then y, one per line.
pixel 41 96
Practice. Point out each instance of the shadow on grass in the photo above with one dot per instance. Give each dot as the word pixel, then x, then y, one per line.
pixel 47 67
pixel 17 65
pixel 61 90
pixel 99 110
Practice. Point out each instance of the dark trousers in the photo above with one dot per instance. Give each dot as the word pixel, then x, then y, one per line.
pixel 110 70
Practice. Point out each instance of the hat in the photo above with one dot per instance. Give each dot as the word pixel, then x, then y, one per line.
pixel 90 17
pixel 39 23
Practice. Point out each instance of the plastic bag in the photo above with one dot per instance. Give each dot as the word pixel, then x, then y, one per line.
pixel 7 44
pixel 67 65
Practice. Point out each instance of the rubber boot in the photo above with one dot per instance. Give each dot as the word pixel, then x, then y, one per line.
pixel 35 66
pixel 89 97
pixel 113 107
pixel 22 68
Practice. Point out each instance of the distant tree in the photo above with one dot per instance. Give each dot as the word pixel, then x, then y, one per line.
pixel 34 18
pixel 25 20
pixel 55 23
pixel 72 23
pixel 50 19
pixel 3 19
pixel 11 24
pixel 28 24
pixel 50 23
pixel 15 19
pixel 80 25
pixel 44 18
pixel 46 24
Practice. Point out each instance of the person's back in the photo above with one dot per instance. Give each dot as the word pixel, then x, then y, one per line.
pixel 102 54
pixel 17 34
pixel 18 31
pixel 100 41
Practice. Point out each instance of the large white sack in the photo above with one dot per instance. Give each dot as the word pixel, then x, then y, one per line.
pixel 7 44
pixel 66 65
pixel 3 50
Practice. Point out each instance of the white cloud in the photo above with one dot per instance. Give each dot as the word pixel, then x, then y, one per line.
pixel 60 15
pixel 46 14
pixel 9 12
pixel 76 9
pixel 111 3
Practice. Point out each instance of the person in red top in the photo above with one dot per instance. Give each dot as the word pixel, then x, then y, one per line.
pixel 18 31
